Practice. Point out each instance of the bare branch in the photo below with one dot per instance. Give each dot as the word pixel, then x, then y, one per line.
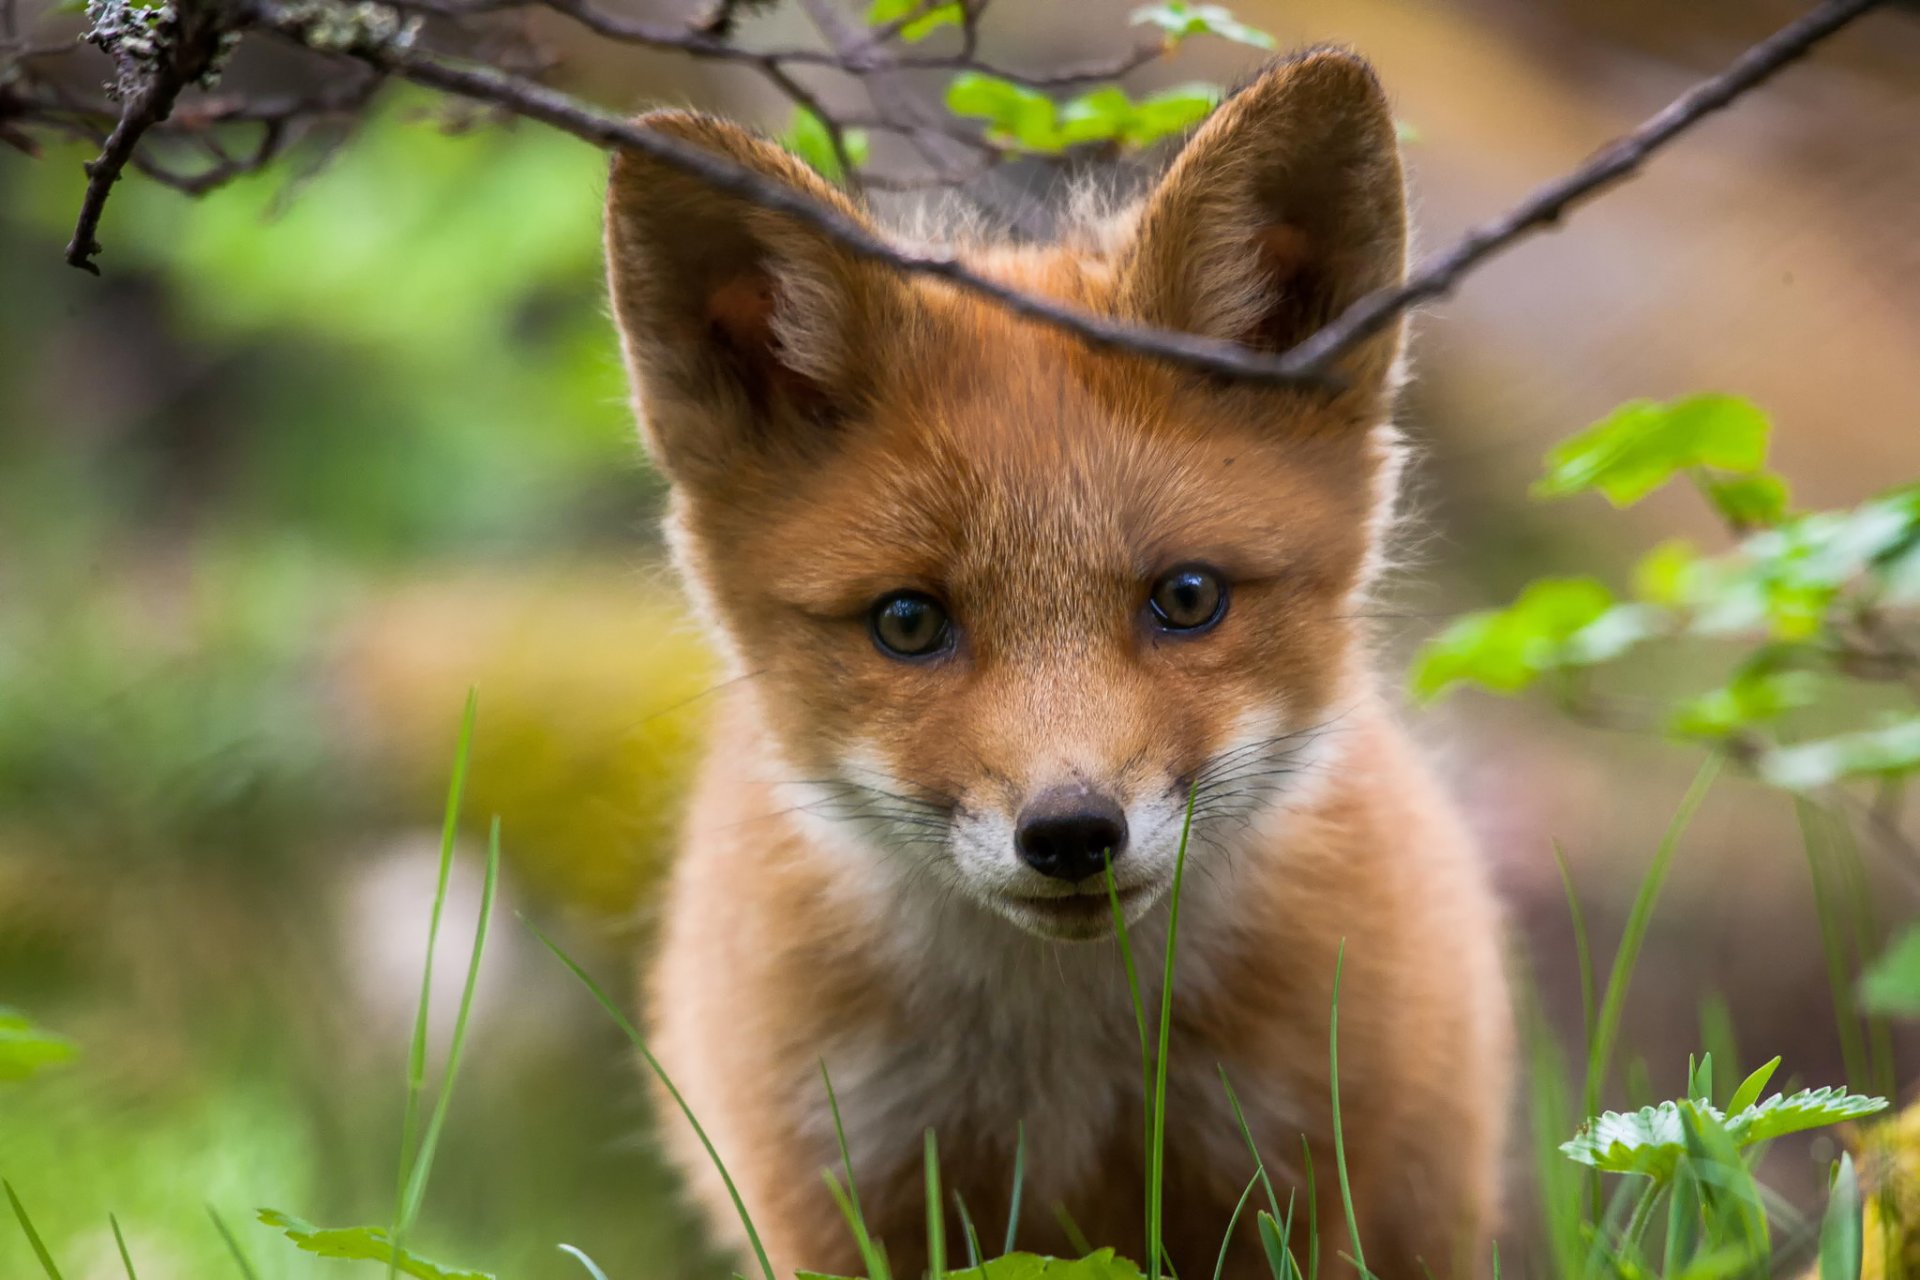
pixel 332 28
pixel 183 46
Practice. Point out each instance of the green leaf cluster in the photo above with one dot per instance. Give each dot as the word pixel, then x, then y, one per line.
pixel 1800 589
pixel 925 18
pixel 807 136
pixel 1179 20
pixel 1023 119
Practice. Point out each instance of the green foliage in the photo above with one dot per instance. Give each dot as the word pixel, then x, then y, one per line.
pixel 927 18
pixel 1812 595
pixel 1890 751
pixel 1652 1140
pixel 1557 623
pixel 1180 20
pixel 1841 1243
pixel 26 1049
pixel 807 137
pixel 363 1244
pixel 1024 119
pixel 1892 985
pixel 1642 445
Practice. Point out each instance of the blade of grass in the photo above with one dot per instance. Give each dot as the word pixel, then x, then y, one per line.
pixel 233 1245
pixel 936 1213
pixel 1019 1185
pixel 666 1082
pixel 1156 1153
pixel 1313 1211
pixel 874 1258
pixel 34 1241
pixel 417 1049
pixel 1582 949
pixel 593 1268
pixel 966 1226
pixel 1339 1138
pixel 1233 1224
pixel 1071 1230
pixel 1140 1024
pixel 423 1160
pixel 871 1256
pixel 120 1242
pixel 1613 1003
pixel 1246 1136
pixel 1853 1045
pixel 1565 1188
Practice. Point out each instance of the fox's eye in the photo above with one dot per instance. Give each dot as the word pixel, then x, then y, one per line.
pixel 910 624
pixel 1190 598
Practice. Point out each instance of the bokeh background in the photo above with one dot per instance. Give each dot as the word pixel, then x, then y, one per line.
pixel 324 449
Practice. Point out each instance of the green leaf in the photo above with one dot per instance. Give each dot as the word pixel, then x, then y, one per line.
pixel 1791 1113
pixel 1180 20
pixel 807 137
pixel 1648 1141
pixel 1892 983
pixel 1169 112
pixel 882 12
pixel 1020 117
pixel 1664 574
pixel 1750 1089
pixel 1641 445
pixel 1556 622
pixel 1885 752
pixel 1749 699
pixel 1014 113
pixel 1841 1232
pixel 1747 501
pixel 363 1244
pixel 25 1048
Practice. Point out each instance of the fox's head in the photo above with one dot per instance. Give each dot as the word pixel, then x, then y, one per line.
pixel 1006 603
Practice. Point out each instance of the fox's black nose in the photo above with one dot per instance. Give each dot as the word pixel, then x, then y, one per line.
pixel 1069 833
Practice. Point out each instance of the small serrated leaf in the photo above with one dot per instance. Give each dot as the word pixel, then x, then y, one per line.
pixel 364 1244
pixel 1792 1113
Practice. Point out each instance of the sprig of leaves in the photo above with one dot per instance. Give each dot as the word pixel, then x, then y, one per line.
pixel 1652 1140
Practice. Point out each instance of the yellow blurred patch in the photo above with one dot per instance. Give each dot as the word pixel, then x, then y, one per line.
pixel 592 710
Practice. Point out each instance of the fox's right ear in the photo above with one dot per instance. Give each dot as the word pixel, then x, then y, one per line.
pixel 745 329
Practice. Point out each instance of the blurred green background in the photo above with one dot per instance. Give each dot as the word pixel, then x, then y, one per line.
pixel 324 449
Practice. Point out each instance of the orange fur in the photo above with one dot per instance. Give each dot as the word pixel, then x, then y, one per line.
pixel 848 889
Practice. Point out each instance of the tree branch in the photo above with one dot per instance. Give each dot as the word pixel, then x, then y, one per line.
pixel 374 36
pixel 1549 204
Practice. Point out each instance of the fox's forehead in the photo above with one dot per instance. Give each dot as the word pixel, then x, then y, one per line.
pixel 1009 469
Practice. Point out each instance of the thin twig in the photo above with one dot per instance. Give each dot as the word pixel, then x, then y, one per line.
pixel 193 47
pixel 1549 204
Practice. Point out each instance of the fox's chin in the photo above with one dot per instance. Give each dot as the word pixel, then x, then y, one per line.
pixel 1077 917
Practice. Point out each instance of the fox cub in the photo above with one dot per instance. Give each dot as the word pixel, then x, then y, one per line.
pixel 999 606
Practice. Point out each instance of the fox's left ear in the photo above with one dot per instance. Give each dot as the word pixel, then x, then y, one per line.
pixel 1284 207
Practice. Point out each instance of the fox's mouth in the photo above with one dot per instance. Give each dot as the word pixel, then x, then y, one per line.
pixel 1077 916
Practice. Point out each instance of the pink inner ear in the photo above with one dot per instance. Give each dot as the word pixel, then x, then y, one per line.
pixel 742 309
pixel 1283 249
